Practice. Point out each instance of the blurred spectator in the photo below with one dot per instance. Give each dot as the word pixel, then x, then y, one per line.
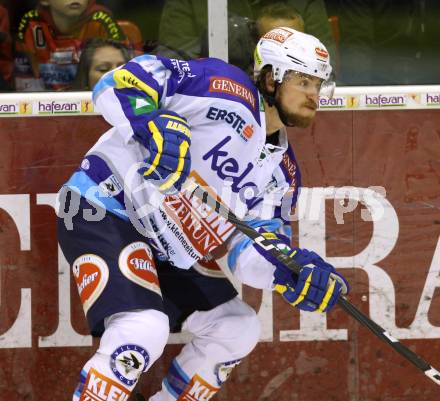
pixel 244 33
pixel 6 60
pixel 278 14
pixel 183 26
pixel 145 14
pixel 50 38
pixel 316 20
pixel 241 42
pixel 385 42
pixel 16 10
pixel 98 57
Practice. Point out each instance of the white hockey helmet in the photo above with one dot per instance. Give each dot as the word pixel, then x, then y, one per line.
pixel 286 49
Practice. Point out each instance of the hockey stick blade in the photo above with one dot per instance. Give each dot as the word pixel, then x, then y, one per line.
pixel 343 302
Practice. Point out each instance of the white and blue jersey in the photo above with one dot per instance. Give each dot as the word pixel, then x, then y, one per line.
pixel 229 153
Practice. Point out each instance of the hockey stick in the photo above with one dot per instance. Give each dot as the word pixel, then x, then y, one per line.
pixel 343 302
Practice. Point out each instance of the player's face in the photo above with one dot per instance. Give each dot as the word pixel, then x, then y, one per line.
pixel 297 98
pixel 67 8
pixel 104 59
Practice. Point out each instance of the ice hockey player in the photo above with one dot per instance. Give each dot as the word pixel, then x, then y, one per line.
pixel 135 238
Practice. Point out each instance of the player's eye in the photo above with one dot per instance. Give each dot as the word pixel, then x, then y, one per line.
pixel 304 83
pixel 103 68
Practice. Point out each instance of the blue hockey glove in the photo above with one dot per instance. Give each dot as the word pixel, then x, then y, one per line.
pixel 316 288
pixel 167 137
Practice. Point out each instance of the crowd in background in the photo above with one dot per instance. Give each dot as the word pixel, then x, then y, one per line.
pixel 68 44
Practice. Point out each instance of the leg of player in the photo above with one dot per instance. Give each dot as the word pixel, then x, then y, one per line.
pixel 122 304
pixel 223 336
pixel 131 343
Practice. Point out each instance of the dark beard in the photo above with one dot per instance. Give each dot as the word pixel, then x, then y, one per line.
pixel 292 119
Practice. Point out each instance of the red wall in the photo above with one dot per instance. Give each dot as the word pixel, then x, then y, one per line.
pixel 398 150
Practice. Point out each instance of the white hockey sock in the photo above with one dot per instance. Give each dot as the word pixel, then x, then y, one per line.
pixel 223 336
pixel 132 341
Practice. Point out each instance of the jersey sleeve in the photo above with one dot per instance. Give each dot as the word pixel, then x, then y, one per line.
pixel 126 95
pixel 273 212
pixel 281 194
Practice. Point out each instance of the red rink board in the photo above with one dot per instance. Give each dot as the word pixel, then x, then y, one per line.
pixel 398 150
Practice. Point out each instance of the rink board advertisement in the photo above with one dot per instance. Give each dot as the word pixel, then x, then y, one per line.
pixel 370 204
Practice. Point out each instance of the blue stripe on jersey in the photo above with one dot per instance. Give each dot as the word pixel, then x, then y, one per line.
pixel 82 382
pixel 99 172
pixel 176 379
pixel 272 225
pixel 108 79
pixel 81 183
pixel 105 82
pixel 144 57
pixel 170 389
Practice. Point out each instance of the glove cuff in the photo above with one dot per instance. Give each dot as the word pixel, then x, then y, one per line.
pixel 240 242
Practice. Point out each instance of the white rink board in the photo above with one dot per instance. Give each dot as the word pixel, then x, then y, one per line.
pixel 345 98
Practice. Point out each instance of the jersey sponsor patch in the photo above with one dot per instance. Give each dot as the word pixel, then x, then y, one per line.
pixel 290 166
pixel 202 226
pixel 198 390
pixel 238 123
pixel 141 105
pixel 127 363
pixel 111 186
pixel 91 276
pixel 291 169
pixel 137 264
pixel 99 387
pixel 278 35
pixel 224 370
pixel 228 168
pixel 231 87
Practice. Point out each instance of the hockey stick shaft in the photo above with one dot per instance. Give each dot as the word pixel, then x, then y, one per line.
pixel 343 302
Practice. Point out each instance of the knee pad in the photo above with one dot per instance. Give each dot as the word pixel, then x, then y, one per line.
pixel 131 343
pixel 233 328
pixel 222 337
pixel 238 329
